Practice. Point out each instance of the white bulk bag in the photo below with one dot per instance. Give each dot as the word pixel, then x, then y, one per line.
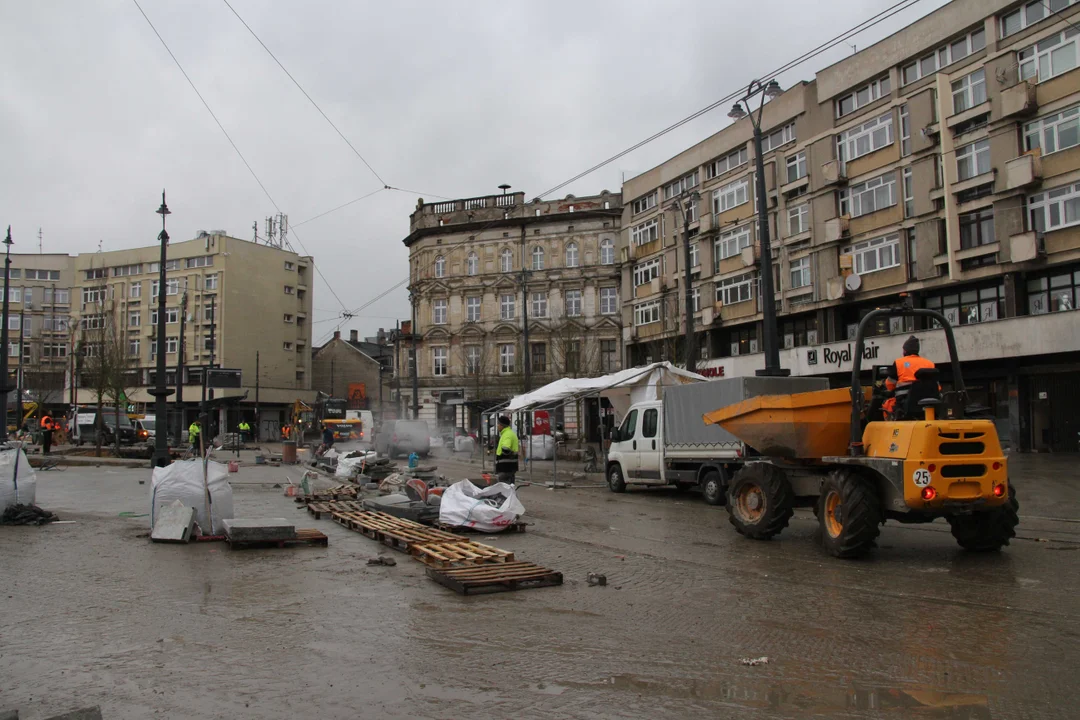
pixel 465 505
pixel 348 467
pixel 183 481
pixel 20 490
pixel 540 447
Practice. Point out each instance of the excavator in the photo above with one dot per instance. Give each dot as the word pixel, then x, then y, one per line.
pixel 835 451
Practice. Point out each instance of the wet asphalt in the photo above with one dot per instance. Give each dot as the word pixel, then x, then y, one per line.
pixel 93 613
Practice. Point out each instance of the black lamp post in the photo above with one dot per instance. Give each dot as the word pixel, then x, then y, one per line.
pixel 5 386
pixel 691 340
pixel 160 391
pixel 768 301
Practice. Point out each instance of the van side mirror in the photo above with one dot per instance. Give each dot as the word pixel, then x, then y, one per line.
pixel 616 435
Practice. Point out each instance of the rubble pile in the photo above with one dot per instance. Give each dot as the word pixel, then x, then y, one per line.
pixel 26 515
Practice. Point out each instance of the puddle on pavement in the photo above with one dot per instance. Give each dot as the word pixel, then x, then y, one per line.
pixel 802 696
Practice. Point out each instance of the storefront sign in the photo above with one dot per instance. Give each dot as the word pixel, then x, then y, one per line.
pixel 839 356
pixel 711 372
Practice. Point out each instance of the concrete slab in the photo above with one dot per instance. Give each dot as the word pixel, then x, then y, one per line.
pixel 175 523
pixel 259 529
pixel 88 713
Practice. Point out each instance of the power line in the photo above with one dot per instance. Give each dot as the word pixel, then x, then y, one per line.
pixel 339 207
pixel 865 25
pixel 301 89
pixel 234 146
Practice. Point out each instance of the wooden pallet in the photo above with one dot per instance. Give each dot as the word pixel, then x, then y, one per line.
pixel 496 577
pixel 304 537
pixel 325 507
pixel 326 496
pixel 515 527
pixel 398 533
pixel 461 552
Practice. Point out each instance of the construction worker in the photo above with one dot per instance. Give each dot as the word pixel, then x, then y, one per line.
pixel 902 372
pixel 506 452
pixel 245 430
pixel 285 430
pixel 193 432
pixel 47 428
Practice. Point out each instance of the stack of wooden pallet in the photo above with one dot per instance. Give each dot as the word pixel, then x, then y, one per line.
pixel 338 492
pixel 452 561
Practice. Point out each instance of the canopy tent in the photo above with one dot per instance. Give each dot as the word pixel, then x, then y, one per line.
pixel 622 389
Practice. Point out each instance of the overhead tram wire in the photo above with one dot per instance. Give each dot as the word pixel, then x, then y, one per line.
pixel 233 144
pixel 865 25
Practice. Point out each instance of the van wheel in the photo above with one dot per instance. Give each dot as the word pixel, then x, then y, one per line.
pixel 849 513
pixel 712 488
pixel 615 480
pixel 989 530
pixel 760 501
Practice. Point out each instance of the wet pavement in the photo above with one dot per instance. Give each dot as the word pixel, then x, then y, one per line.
pixel 95 614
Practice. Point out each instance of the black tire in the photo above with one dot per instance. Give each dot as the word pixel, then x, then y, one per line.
pixel 615 481
pixel 990 530
pixel 849 514
pixel 760 501
pixel 712 488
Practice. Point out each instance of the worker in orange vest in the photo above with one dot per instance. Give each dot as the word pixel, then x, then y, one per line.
pixel 47 427
pixel 902 372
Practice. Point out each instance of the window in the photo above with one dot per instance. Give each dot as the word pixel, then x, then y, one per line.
pixel 134 319
pixel 153 318
pixel 607 252
pixel 796 167
pixel 905 131
pixel 124 270
pixel 539 304
pixel 172 316
pixel 609 300
pixel 172 287
pixel 14 295
pixel 872 255
pixel 571 255
pixel 970 306
pixel 133 347
pixel 472 264
pixel 646 232
pixel 1054 132
pixel 912 255
pixel 646 271
pixel 1055 209
pixel 945 55
pixel 472 308
pixel 440 359
pixel 135 290
pixel 40 274
pixel 286 346
pixel 88 322
pixel 438 311
pixel 800 332
pixel 973 160
pixel 1056 293
pixel 290 266
pixel 608 356
pixel 1049 57
pixel 977 228
pixel 1030 14
pixel 506 261
pixel 729 244
pixel 909 193
pixel 538 258
pixel 681 185
pixel 290 290
pixel 572 300
pixel 28 296
pixel 732 160
pixel 169 265
pixel 798 219
pixel 54 350
pixel 731 195
pixel 629 425
pixel 865 139
pixel 16 273
pixel 862 97
pixel 870 196
pixel 777 138
pixel 96 273
pixel 198 262
pixel 800 272
pixel 506 358
pixel 506 306
pixel 736 289
pixel 647 313
pixel 649 422
pixel 472 359
pixel 644 203
pixel 286 317
pixel 969 91
pixel 695 259
pixel 211 281
pixel 89 295
pixel 208 343
pixel 208 313
pixel 440 266
pixel 539 357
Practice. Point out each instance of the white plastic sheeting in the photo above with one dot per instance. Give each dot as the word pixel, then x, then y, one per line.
pixel 491 509
pixel 183 481
pixel 349 467
pixel 20 489
pixel 622 389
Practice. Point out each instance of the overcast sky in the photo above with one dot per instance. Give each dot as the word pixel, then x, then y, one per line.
pixel 447 99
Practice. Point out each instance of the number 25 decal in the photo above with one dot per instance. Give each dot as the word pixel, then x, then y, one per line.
pixel 921 477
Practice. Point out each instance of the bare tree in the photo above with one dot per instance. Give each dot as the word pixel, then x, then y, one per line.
pixel 106 365
pixel 573 352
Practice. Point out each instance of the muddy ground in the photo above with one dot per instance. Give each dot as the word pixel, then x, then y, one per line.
pixel 93 613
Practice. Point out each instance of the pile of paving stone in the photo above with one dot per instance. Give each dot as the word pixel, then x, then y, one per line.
pixel 26 515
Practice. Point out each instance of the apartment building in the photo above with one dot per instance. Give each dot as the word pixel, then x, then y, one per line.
pixel 942 163
pixel 480 268
pixel 235 300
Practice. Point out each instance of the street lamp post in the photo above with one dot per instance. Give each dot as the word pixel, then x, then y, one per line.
pixel 768 301
pixel 5 387
pixel 160 391
pixel 688 298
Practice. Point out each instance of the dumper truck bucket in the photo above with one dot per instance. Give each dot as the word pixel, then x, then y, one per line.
pixel 808 425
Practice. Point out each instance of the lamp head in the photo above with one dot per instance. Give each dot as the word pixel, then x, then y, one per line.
pixel 736 112
pixel 772 90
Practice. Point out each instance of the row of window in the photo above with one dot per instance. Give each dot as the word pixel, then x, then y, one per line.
pixel 26 295
pixel 475 362
pixel 32 274
pixel 537 255
pixel 572 305
pixel 945 55
pixel 137 268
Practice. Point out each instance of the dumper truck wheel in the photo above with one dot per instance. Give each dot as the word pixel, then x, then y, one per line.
pixel 849 512
pixel 759 501
pixel 989 530
pixel 615 480
pixel 712 488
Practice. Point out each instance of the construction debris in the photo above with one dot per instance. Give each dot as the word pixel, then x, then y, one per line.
pixel 382 560
pixel 597 579
pixel 175 523
pixel 26 515
pixel 752 662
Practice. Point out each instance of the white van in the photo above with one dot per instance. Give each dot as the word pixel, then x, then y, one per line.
pixel 367 424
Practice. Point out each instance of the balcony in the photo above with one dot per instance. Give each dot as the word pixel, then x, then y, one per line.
pixel 794 185
pixel 1018 100
pixel 1026 246
pixel 1023 171
pixel 837 228
pixel 833 173
pixel 974 182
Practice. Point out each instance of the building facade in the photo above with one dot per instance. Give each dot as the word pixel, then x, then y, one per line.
pixel 484 269
pixel 345 369
pixel 942 163
pixel 241 305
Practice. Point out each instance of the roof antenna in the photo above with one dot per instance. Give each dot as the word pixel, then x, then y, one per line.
pixel 39 241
